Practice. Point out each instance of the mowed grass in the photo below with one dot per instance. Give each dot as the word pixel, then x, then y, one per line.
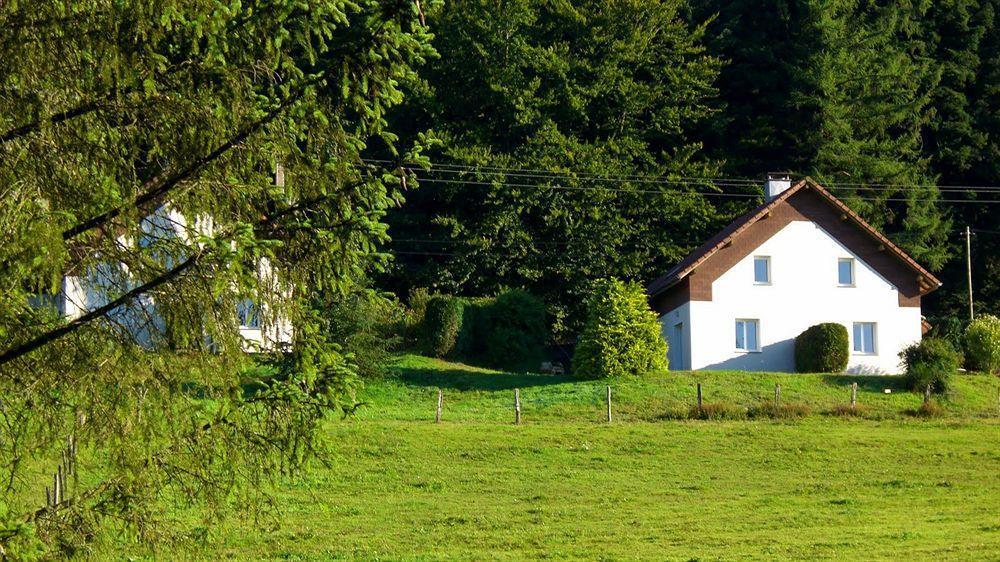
pixel 565 485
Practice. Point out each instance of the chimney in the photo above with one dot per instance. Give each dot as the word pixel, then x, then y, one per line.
pixel 776 183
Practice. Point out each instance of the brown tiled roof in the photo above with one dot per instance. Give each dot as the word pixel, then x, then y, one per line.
pixel 928 281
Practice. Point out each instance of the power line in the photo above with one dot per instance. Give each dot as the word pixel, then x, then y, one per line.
pixel 504 170
pixel 675 192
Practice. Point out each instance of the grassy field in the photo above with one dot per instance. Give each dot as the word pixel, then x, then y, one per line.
pixel 563 485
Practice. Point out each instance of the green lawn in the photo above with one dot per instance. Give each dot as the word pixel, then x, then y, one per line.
pixel 563 485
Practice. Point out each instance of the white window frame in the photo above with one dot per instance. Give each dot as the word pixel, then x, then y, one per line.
pixel 853 263
pixel 854 339
pixel 746 348
pixel 767 263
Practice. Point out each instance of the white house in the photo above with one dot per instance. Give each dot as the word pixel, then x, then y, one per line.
pixel 800 259
pixel 83 292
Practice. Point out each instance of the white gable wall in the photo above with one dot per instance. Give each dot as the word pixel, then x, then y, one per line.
pixel 803 292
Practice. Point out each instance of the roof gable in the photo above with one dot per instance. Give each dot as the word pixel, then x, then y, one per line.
pixel 926 281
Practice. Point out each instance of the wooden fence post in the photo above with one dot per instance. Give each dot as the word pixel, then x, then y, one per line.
pixel 517 406
pixel 927 394
pixel 437 416
pixel 854 394
pixel 609 404
pixel 699 397
pixel 777 395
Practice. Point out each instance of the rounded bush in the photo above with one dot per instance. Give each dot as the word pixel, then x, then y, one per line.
pixel 822 348
pixel 931 362
pixel 621 335
pixel 442 322
pixel 982 344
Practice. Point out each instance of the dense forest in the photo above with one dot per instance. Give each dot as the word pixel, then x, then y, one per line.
pixel 580 140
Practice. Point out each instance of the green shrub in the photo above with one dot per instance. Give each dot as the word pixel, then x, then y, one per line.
pixel 822 348
pixel 517 331
pixel 442 322
pixel 928 410
pixel 621 335
pixel 717 411
pixel 413 321
pixel 846 411
pixel 931 362
pixel 507 332
pixel 982 344
pixel 365 323
pixel 782 410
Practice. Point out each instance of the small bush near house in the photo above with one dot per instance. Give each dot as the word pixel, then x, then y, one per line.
pixel 442 322
pixel 621 335
pixel 717 411
pixel 931 362
pixel 783 410
pixel 822 348
pixel 982 344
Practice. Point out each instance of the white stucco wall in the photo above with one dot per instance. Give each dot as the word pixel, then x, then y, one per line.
pixel 675 327
pixel 803 292
pixel 83 293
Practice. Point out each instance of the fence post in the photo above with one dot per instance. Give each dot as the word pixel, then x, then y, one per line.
pixel 609 404
pixel 699 397
pixel 927 394
pixel 854 394
pixel 517 406
pixel 777 395
pixel 437 416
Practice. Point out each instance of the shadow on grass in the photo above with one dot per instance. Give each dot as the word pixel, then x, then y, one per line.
pixel 463 380
pixel 868 383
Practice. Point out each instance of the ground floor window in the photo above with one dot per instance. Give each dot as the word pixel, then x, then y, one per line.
pixel 864 337
pixel 746 334
pixel 246 312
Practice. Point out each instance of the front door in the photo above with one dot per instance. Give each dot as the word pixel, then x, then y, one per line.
pixel 676 353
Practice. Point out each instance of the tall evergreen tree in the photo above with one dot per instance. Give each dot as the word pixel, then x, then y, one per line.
pixel 840 90
pixel 594 92
pixel 110 110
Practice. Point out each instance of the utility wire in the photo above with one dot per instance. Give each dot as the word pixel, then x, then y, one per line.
pixel 677 193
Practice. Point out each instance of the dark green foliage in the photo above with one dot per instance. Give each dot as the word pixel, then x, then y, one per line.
pixel 589 88
pixel 366 324
pixel 621 335
pixel 982 344
pixel 932 362
pixel 441 325
pixel 506 332
pixel 823 348
pixel 518 331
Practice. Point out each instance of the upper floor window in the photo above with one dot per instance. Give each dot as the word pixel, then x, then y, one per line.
pixel 845 272
pixel 864 337
pixel 747 331
pixel 762 270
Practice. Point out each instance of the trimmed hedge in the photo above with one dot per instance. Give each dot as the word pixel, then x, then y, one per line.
pixel 621 335
pixel 982 344
pixel 441 325
pixel 823 348
pixel 507 332
pixel 931 362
